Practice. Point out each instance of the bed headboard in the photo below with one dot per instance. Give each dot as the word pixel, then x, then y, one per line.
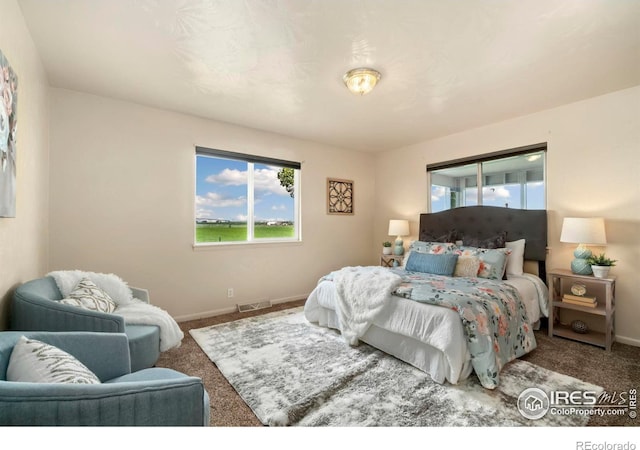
pixel 486 221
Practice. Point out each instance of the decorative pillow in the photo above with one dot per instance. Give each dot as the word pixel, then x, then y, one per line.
pixel 405 259
pixel 437 248
pixel 497 241
pixel 89 296
pixel 467 266
pixel 515 261
pixel 443 264
pixel 33 361
pixel 493 262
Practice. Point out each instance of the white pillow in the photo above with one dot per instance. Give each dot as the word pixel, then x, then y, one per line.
pixel 515 262
pixel 33 361
pixel 467 266
pixel 89 296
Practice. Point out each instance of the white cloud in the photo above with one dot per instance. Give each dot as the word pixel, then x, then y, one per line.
pixel 279 208
pixel 229 177
pixel 438 192
pixel 215 200
pixel 203 213
pixel 265 181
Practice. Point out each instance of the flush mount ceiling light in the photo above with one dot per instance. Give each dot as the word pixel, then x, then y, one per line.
pixel 361 81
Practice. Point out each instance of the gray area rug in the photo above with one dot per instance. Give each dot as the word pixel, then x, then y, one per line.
pixel 291 372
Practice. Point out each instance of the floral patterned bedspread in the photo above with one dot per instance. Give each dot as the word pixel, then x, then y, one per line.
pixel 493 317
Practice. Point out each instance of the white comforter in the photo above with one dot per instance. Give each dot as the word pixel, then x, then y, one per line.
pixel 439 328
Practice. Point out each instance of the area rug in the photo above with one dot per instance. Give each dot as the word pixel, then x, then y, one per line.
pixel 291 372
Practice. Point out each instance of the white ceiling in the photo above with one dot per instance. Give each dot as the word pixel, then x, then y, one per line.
pixel 277 65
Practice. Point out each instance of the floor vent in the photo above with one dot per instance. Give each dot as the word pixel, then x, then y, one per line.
pixel 254 306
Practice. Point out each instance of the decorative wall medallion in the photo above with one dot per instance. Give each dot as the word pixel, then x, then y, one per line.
pixel 339 196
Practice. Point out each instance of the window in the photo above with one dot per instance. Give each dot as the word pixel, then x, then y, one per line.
pixel 511 179
pixel 245 198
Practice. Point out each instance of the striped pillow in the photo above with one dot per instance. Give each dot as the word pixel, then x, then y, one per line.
pixel 33 361
pixel 443 264
pixel 88 295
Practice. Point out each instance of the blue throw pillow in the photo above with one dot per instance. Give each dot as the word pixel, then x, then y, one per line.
pixel 444 264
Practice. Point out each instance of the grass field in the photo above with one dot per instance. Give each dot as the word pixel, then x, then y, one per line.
pixel 214 232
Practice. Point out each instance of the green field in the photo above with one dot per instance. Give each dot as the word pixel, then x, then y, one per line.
pixel 234 232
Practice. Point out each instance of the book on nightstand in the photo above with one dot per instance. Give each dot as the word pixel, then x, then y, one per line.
pixel 589 302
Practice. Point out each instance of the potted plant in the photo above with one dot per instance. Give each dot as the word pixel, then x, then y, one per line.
pixel 386 248
pixel 600 265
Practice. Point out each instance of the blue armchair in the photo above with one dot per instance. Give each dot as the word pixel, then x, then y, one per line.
pixel 36 307
pixel 149 397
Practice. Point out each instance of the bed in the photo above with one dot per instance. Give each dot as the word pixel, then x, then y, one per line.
pixel 431 337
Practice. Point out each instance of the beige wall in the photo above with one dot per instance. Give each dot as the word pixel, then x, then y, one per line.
pixel 122 201
pixel 23 239
pixel 593 169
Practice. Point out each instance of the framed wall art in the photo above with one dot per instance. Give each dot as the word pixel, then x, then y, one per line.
pixel 8 129
pixel 339 196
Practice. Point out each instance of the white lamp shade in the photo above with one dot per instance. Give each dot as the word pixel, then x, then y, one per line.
pixel 398 227
pixel 578 230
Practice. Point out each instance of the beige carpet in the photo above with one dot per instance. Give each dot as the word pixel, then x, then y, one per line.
pixel 618 370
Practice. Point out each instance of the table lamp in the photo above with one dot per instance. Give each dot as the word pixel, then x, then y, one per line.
pixel 398 228
pixel 582 231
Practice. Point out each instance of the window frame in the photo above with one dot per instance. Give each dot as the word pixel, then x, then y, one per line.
pixel 251 161
pixel 478 161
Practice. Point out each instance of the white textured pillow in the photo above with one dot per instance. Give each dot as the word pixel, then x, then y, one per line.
pixel 467 266
pixel 33 361
pixel 515 262
pixel 89 296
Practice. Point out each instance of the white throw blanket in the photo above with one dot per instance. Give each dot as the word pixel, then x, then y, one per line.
pixel 133 310
pixel 362 292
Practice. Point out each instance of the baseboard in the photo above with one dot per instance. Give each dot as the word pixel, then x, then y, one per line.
pixel 628 341
pixel 233 309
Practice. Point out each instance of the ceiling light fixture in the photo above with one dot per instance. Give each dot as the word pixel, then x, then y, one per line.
pixel 361 81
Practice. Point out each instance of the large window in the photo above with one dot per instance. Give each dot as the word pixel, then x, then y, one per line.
pixel 511 179
pixel 245 198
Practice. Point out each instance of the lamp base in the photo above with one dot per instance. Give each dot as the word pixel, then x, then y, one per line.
pixel 580 266
pixel 398 250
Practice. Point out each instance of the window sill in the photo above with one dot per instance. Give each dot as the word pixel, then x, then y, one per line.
pixel 213 246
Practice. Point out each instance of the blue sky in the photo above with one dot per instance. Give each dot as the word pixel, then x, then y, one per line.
pixel 221 191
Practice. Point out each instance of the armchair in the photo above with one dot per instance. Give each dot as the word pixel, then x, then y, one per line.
pixel 149 397
pixel 36 307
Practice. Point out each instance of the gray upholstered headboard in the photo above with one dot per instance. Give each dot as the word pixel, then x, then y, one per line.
pixel 486 221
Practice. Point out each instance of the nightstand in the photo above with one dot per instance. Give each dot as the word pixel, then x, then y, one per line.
pixel 604 289
pixel 388 260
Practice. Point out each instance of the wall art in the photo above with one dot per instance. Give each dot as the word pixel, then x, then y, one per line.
pixel 8 129
pixel 339 196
